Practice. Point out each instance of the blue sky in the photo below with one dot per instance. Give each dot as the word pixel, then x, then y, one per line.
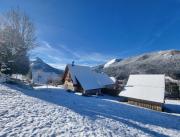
pixel 94 31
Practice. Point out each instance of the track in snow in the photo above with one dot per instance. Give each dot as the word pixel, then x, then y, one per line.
pixel 54 112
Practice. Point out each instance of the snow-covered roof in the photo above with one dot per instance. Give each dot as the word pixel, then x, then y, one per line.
pixel 88 78
pixel 145 87
pixel 103 79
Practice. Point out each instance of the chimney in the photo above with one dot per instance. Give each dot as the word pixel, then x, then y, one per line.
pixel 73 63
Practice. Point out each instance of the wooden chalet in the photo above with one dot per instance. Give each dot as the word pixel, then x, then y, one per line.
pixel 83 79
pixel 145 91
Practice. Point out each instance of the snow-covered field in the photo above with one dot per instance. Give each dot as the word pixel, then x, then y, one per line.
pixel 55 112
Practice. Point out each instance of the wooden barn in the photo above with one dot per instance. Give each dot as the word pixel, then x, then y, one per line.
pixel 145 91
pixel 83 79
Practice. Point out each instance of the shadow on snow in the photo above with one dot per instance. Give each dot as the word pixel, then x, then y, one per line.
pixel 105 106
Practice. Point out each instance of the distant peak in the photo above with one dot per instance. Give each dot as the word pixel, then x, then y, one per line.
pixel 38 59
pixel 111 62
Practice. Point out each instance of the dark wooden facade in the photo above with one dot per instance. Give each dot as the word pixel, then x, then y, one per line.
pixel 147 104
pixel 68 82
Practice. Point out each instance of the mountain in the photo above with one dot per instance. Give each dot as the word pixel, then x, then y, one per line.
pixel 111 62
pixel 42 72
pixel 161 62
pixel 39 64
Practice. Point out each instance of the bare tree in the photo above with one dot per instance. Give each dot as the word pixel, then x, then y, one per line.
pixel 23 27
pixel 17 38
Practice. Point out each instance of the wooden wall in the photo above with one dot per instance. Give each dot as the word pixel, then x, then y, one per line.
pixel 150 105
pixel 68 82
pixel 69 85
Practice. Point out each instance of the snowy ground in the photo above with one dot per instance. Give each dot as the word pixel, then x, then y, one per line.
pixel 55 112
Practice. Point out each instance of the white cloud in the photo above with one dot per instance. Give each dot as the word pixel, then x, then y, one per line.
pixel 58 65
pixel 47 44
pixel 61 55
pixel 84 56
pixel 66 49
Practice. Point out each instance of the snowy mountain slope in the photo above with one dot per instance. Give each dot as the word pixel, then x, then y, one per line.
pixel 161 62
pixel 39 64
pixel 54 112
pixel 109 63
pixel 42 72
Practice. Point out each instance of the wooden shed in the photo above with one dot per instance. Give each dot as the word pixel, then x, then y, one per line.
pixel 145 91
pixel 83 79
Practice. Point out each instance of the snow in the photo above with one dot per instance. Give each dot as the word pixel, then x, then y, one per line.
pixel 109 63
pixel 88 78
pixel 49 86
pixel 113 79
pixel 173 106
pixel 2 78
pixel 174 102
pixel 41 77
pixel 172 80
pixel 103 79
pixel 19 76
pixel 54 112
pixel 145 87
